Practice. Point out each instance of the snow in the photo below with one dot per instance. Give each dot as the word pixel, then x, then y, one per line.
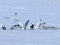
pixel 29 37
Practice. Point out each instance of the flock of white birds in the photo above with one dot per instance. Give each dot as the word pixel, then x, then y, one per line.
pixel 41 25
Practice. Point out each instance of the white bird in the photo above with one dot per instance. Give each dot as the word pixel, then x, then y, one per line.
pixel 39 24
pixel 2 27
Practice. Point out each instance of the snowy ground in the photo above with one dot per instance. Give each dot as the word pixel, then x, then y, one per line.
pixel 27 37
